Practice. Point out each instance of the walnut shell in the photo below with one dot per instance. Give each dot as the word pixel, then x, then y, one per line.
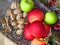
pixel 14 23
pixel 26 23
pixel 14 5
pixel 8 30
pixel 9 12
pixel 21 21
pixel 19 32
pixel 19 16
pixel 13 16
pixel 20 26
pixel 17 11
pixel 16 27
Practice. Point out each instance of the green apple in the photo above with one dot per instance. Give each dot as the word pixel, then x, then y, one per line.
pixel 26 5
pixel 50 18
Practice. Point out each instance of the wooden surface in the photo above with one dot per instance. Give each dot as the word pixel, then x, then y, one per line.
pixel 5 41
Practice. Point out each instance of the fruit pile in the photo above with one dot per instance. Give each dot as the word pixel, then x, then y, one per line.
pixel 39 24
pixel 31 22
pixel 54 6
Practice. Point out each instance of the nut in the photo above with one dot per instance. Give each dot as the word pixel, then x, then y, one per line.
pixel 26 23
pixel 9 12
pixel 13 16
pixel 17 11
pixel 24 15
pixel 14 23
pixel 21 21
pixel 7 30
pixel 18 4
pixel 19 32
pixel 20 26
pixel 19 16
pixel 16 27
pixel 14 5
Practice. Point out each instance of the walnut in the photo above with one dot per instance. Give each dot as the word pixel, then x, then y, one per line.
pixel 19 32
pixel 19 16
pixel 8 30
pixel 26 22
pixel 13 16
pixel 6 26
pixel 21 21
pixel 16 27
pixel 20 26
pixel 9 12
pixel 14 23
pixel 17 11
pixel 14 5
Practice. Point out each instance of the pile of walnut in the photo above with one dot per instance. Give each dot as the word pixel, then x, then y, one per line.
pixel 17 18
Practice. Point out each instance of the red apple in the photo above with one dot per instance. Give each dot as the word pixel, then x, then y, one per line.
pixel 37 29
pixel 35 14
pixel 47 29
pixel 36 41
pixel 26 27
pixel 27 34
